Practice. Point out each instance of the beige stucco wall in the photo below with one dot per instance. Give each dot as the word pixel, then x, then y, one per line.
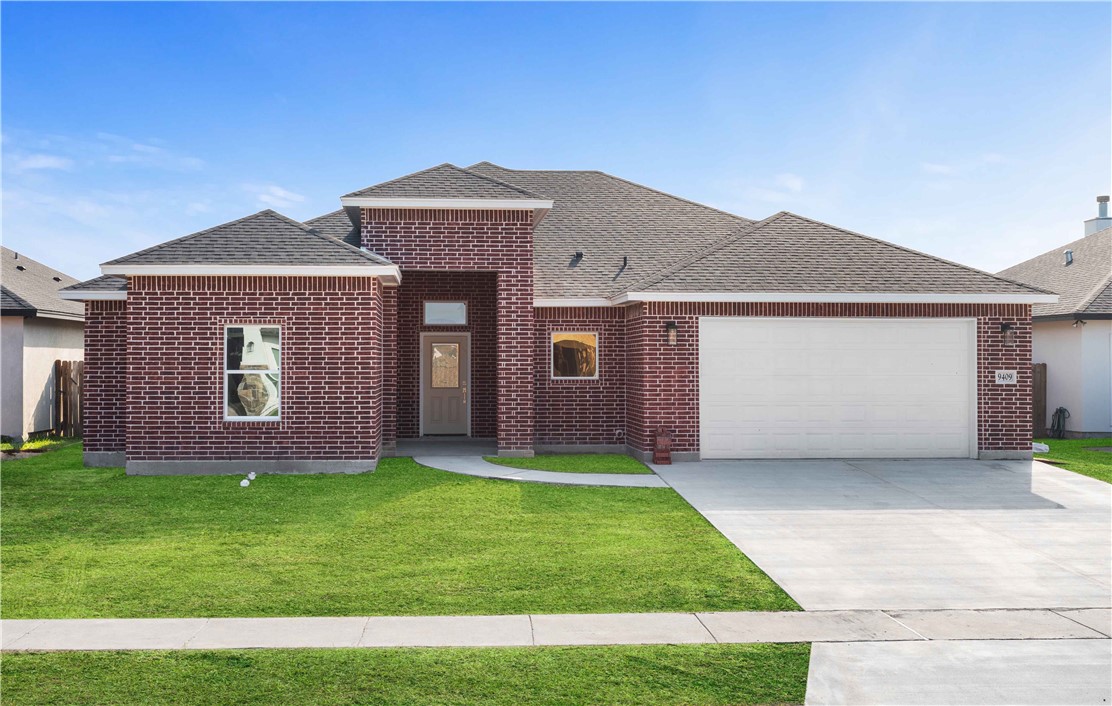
pixel 1078 372
pixel 11 376
pixel 45 341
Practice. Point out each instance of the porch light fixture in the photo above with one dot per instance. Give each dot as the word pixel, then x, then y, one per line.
pixel 1078 322
pixel 1009 334
pixel 672 330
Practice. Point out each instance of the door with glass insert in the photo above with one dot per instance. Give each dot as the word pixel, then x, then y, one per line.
pixel 445 373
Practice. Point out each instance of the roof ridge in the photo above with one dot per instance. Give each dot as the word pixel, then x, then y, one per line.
pixel 518 189
pixel 183 238
pixel 625 181
pixel 673 196
pixel 267 212
pixel 404 176
pixel 499 182
pixel 904 248
pixel 1058 250
pixel 19 300
pixel 1093 294
pixel 660 275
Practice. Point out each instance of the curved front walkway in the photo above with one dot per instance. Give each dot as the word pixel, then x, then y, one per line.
pixel 477 466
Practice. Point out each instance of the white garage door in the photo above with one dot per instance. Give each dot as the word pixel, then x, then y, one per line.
pixel 836 388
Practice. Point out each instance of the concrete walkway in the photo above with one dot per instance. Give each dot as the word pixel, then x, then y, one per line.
pixel 476 466
pixel 563 629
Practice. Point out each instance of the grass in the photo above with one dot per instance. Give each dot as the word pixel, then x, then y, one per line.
pixel 575 463
pixel 43 443
pixel 1073 456
pixel 405 540
pixel 630 675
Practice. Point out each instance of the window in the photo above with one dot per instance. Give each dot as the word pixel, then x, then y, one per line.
pixel 252 373
pixel 575 355
pixel 445 365
pixel 445 313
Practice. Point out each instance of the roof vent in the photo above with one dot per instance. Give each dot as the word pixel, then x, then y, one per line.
pixel 21 268
pixel 576 258
pixel 1069 257
pixel 57 279
pixel 1102 221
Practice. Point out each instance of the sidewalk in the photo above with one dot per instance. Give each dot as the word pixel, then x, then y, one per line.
pixel 477 466
pixel 536 630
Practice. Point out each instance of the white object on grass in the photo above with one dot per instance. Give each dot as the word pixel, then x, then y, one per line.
pixel 244 483
pixel 1039 448
pixel 251 475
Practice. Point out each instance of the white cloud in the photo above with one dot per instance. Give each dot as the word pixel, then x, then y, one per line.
pixel 766 195
pixel 934 168
pixel 791 182
pixel 30 162
pixel 124 150
pixel 274 196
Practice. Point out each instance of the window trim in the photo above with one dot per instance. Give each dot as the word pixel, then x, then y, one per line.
pixel 426 302
pixel 228 373
pixel 551 355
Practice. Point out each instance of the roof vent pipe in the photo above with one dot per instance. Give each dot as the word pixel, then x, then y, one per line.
pixel 1069 256
pixel 1102 221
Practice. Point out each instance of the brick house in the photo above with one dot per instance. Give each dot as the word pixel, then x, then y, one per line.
pixel 546 310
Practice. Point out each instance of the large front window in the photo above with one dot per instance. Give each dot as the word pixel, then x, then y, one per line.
pixel 252 373
pixel 574 355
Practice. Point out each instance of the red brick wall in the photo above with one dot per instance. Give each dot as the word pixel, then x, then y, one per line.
pixel 389 367
pixel 331 384
pixel 484 241
pixel 478 289
pixel 105 389
pixel 664 380
pixel 582 411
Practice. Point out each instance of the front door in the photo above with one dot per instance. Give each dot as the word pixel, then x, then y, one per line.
pixel 445 373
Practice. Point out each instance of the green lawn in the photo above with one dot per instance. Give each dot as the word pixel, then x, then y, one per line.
pixel 566 676
pixel 405 540
pixel 1095 464
pixel 576 463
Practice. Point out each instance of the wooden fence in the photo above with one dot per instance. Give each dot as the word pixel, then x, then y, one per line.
pixel 69 376
pixel 1038 399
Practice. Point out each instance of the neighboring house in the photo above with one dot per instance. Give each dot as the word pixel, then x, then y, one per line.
pixel 1074 336
pixel 38 328
pixel 549 310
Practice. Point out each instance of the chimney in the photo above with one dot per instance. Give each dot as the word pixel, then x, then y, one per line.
pixel 1102 220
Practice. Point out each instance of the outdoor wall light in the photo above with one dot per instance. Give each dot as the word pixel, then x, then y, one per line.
pixel 1009 334
pixel 1078 322
pixel 672 330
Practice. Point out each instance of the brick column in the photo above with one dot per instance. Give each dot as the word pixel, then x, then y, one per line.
pixel 104 403
pixel 389 356
pixel 516 332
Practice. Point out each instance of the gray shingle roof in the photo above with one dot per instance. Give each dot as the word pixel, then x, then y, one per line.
pixel 13 305
pixel 337 225
pixel 1084 287
pixel 37 285
pixel 790 253
pixel 104 283
pixel 265 238
pixel 609 219
pixel 446 181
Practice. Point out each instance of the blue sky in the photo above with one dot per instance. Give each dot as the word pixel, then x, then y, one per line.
pixel 977 132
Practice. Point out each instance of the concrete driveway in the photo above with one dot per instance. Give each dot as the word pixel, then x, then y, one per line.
pixel 913 534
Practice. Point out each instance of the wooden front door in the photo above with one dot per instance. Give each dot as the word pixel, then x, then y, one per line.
pixel 445 377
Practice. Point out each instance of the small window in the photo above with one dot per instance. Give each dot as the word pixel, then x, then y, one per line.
pixel 252 373
pixel 445 313
pixel 575 355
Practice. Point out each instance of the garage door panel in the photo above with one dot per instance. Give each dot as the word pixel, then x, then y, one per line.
pixel 785 388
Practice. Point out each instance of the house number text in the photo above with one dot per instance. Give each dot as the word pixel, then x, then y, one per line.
pixel 1005 377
